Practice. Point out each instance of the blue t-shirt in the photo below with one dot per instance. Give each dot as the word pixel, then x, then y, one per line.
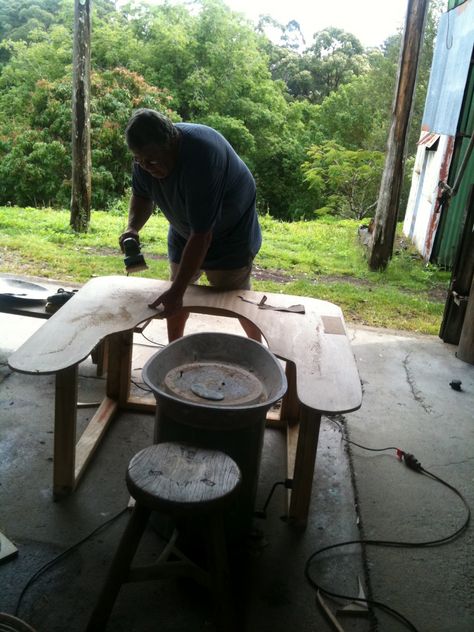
pixel 210 188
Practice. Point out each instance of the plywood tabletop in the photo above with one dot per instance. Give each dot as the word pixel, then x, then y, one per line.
pixel 316 341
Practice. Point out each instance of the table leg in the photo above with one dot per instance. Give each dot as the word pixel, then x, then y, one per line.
pixel 290 405
pixel 304 462
pixel 99 356
pixel 70 461
pixel 65 417
pixel 119 366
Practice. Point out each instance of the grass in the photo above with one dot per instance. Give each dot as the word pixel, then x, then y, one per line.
pixel 322 259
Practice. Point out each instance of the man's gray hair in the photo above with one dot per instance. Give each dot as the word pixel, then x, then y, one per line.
pixel 149 126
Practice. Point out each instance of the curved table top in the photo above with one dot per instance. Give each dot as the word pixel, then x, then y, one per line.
pixel 327 379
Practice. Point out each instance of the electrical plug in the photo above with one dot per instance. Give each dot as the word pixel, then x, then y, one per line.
pixel 412 462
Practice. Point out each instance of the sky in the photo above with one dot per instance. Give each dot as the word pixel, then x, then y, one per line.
pixel 371 21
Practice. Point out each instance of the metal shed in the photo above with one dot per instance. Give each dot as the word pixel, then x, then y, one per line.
pixel 448 124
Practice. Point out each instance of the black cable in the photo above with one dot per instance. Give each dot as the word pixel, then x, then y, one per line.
pixel 62 555
pixel 139 385
pixel 411 462
pixel 341 427
pixel 156 344
pixel 287 483
pixel 371 602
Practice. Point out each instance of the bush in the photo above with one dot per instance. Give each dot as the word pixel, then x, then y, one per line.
pixel 35 167
pixel 35 172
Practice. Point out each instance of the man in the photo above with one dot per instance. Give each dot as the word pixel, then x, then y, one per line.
pixel 207 194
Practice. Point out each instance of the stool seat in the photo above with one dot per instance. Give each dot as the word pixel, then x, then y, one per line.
pixel 182 481
pixel 178 479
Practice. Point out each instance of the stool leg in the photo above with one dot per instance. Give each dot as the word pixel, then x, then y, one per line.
pixel 220 576
pixel 119 568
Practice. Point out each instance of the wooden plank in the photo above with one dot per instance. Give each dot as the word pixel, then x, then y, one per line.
pixel 292 432
pixel 305 460
pixel 120 349
pixel 90 438
pixel 100 356
pixel 333 325
pixel 290 406
pixel 65 417
pixel 141 404
pixel 273 419
pixel 126 354
pixel 326 379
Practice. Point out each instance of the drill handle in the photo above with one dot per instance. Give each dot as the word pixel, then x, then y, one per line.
pixel 129 234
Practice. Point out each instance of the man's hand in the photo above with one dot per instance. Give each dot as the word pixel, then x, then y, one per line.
pixel 171 300
pixel 191 259
pixel 130 232
pixel 138 215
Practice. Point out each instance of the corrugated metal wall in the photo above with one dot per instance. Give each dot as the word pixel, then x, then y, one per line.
pixel 455 3
pixel 452 219
pixel 449 70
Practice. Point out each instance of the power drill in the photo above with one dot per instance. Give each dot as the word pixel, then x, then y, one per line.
pixel 134 260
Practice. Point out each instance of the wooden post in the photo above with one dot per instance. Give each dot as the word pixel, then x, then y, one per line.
pixel 386 214
pixel 65 417
pixel 304 464
pixel 290 406
pixel 81 147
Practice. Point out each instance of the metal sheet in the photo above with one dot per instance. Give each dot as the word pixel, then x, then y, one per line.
pixel 451 60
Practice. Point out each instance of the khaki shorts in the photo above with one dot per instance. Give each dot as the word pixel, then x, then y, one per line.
pixel 236 279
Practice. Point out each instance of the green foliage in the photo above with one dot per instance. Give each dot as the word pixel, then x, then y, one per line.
pixel 34 171
pixel 347 181
pixel 236 133
pixel 114 94
pixel 334 59
pixel 198 62
pixel 20 19
pixel 35 167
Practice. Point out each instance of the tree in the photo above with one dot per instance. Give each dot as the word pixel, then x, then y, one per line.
pixel 334 58
pixel 35 153
pixel 345 181
pixel 291 36
pixel 19 19
pixel 201 63
pixel 213 64
pixel 81 124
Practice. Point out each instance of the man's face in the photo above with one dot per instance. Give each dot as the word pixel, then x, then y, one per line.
pixel 159 161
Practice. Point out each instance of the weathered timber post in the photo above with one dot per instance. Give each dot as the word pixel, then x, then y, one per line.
pixel 383 235
pixel 81 146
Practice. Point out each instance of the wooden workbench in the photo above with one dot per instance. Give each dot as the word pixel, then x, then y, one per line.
pixel 320 367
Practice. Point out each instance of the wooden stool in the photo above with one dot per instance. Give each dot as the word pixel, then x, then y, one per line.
pixel 183 482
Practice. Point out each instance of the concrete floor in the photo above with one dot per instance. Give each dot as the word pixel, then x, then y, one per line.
pixel 408 403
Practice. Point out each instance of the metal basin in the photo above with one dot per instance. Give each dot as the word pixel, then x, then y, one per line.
pixel 214 380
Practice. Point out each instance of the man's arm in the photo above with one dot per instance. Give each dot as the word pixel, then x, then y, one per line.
pixel 193 255
pixel 139 212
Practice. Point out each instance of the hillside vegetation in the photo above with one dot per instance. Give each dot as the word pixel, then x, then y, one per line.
pixel 310 119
